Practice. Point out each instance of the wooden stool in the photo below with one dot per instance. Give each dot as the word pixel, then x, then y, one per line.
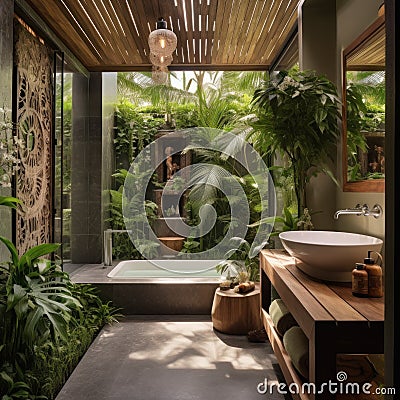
pixel 236 313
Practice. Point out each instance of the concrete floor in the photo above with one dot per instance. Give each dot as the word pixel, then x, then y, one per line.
pixel 171 358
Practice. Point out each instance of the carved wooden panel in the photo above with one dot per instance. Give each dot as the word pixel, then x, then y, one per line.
pixel 33 63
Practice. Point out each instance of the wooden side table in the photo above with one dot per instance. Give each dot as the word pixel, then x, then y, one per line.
pixel 235 313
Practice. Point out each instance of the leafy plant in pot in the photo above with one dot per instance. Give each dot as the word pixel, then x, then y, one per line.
pixel 238 265
pixel 298 115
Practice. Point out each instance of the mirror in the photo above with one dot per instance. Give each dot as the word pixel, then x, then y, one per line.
pixel 364 111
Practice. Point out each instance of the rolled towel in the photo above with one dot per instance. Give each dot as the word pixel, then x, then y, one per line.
pixel 358 367
pixel 296 345
pixel 274 294
pixel 281 316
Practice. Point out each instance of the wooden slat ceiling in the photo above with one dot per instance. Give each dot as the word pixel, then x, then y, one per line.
pixel 111 35
pixel 370 54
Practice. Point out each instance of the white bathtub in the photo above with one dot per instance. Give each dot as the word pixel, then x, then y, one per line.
pixel 165 269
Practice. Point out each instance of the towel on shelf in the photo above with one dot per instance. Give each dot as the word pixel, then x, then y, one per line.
pixel 358 367
pixel 296 345
pixel 281 316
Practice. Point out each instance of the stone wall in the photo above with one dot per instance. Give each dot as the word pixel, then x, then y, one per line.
pixel 6 67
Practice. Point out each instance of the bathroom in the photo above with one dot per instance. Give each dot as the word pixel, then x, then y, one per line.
pixel 328 34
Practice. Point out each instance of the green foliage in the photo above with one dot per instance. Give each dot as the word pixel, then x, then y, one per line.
pixel 365 107
pixel 122 246
pixel 356 110
pixel 46 322
pixel 8 201
pixel 237 261
pixel 298 118
pixel 215 110
pixel 215 169
pixel 133 132
pixel 59 359
pixel 185 115
pixel 370 84
pixel 36 300
pixel 220 100
pixel 190 245
pixel 284 186
pixel 139 88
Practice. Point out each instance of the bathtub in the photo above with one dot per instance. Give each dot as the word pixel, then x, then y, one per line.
pixel 132 269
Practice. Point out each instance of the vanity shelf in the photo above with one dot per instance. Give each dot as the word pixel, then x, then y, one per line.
pixel 334 321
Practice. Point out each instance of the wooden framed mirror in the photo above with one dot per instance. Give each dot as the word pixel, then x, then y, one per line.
pixel 364 111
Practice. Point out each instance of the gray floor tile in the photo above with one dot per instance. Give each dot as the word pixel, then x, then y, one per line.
pixel 170 357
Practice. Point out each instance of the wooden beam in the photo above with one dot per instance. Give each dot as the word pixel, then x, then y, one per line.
pixel 25 10
pixel 180 67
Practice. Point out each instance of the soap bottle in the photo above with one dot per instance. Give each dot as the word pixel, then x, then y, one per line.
pixel 374 271
pixel 359 285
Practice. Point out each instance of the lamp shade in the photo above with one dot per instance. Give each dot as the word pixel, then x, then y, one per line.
pixel 160 61
pixel 162 41
pixel 159 75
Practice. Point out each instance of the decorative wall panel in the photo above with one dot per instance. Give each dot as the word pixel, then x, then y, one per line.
pixel 33 62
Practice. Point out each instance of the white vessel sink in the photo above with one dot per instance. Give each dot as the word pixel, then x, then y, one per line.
pixel 328 255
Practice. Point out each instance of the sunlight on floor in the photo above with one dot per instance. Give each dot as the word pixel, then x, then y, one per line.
pixel 179 351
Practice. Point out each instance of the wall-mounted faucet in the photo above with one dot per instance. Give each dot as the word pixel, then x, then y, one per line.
pixel 376 211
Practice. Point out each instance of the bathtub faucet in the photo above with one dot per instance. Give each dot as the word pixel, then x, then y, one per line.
pixel 376 211
pixel 108 244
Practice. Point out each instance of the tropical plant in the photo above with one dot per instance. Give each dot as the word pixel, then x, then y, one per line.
pixel 355 112
pixel 238 261
pixel 38 302
pixel 140 89
pixel 190 245
pixel 287 222
pixel 298 118
pixel 365 112
pixel 46 322
pixel 214 98
pixel 123 247
pixel 133 132
pixel 8 201
pixel 218 181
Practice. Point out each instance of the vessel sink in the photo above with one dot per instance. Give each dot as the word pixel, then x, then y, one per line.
pixel 328 255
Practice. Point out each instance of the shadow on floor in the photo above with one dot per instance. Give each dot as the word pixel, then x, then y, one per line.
pixel 170 357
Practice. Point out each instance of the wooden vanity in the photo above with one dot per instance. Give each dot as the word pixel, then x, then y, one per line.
pixel 334 321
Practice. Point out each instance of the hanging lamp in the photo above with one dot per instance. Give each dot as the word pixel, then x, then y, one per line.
pixel 160 61
pixel 159 75
pixel 162 41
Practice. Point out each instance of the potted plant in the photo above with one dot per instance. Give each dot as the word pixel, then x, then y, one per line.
pixel 298 115
pixel 238 265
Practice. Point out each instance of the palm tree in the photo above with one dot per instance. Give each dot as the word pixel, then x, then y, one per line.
pixel 221 97
pixel 140 89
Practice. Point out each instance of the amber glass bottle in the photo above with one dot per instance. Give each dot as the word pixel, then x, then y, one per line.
pixel 375 280
pixel 359 285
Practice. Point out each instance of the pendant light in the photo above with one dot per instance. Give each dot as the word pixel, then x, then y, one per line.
pixel 159 75
pixel 162 41
pixel 160 61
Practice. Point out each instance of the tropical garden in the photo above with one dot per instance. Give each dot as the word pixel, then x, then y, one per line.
pixel 290 118
pixel 47 322
pixel 365 98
